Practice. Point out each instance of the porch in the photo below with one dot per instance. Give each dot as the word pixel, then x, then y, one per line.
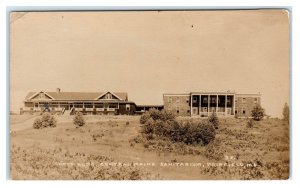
pixel 204 105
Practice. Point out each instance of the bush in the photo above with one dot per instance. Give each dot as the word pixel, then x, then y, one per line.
pixel 167 115
pixel 79 120
pixel 162 124
pixel 213 118
pixel 144 118
pixel 149 127
pixel 258 113
pixel 156 115
pixel 205 131
pixel 250 123
pixel 37 123
pixel 286 113
pixel 188 132
pixel 47 120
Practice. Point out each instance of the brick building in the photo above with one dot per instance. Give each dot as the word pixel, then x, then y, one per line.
pixel 202 104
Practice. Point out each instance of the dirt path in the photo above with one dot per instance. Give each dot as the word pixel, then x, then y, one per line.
pixel 22 124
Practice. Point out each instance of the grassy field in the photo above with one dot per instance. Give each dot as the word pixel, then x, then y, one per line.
pixel 109 147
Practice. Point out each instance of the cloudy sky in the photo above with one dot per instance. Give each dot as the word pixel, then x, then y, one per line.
pixel 150 53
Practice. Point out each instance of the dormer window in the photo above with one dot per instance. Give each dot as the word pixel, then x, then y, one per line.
pixel 108 96
pixel 42 95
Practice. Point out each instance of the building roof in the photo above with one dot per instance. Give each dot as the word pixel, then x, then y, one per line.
pixel 248 94
pixel 202 93
pixel 77 95
pixel 149 106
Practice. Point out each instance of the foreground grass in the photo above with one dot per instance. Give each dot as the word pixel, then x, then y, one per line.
pixel 48 164
pixel 66 152
pixel 263 149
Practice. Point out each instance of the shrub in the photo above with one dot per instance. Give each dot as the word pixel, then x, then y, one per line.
pixel 207 132
pixel 167 115
pixel 250 123
pixel 47 120
pixel 286 113
pixel 162 124
pixel 188 132
pixel 258 113
pixel 148 128
pixel 213 118
pixel 37 123
pixel 156 115
pixel 144 118
pixel 79 120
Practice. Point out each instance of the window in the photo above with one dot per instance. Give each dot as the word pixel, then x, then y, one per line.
pixel 170 99
pixel 244 112
pixel 235 111
pixel 194 111
pixel 88 105
pixel 194 99
pixel 188 111
pixel 204 99
pixel 255 100
pixel 36 105
pixel 127 107
pixel 177 110
pixel 244 100
pixel 113 105
pixel 213 100
pixel 42 95
pixel 99 105
pixel 108 96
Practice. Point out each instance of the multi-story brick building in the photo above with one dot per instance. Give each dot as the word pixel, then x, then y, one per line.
pixel 204 103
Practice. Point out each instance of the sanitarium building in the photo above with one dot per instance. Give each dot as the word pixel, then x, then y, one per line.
pixel 202 104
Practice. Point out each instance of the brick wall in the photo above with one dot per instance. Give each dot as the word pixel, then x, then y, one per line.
pixel 178 104
pixel 245 104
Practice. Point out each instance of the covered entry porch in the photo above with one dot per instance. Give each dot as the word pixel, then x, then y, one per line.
pixel 204 104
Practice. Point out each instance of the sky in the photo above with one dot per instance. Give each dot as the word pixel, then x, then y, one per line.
pixel 148 53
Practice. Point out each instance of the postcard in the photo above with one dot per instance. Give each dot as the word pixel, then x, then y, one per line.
pixel 150 95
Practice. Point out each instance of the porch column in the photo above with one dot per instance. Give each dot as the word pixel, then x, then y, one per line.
pixel 199 105
pixel 225 105
pixel 191 111
pixel 217 104
pixel 208 96
pixel 233 104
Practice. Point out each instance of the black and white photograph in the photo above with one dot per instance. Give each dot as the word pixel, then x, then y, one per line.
pixel 149 94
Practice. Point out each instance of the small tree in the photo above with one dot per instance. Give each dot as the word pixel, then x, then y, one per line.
pixel 250 123
pixel 214 120
pixel 258 113
pixel 47 120
pixel 79 120
pixel 286 113
pixel 156 115
pixel 37 123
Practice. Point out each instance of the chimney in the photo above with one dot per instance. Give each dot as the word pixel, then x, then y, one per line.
pixel 58 90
